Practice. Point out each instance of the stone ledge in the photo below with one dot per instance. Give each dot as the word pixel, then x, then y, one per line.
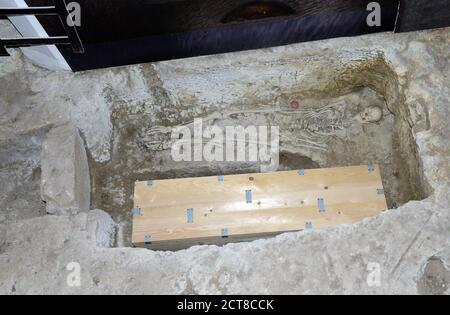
pixel 65 182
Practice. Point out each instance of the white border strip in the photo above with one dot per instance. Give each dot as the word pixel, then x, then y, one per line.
pixel 28 26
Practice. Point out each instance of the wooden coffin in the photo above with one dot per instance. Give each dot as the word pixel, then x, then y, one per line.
pixel 179 213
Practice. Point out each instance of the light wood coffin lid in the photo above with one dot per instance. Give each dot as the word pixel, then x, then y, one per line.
pixel 280 202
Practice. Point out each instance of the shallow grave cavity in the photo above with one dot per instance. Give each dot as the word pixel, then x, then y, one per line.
pixel 343 114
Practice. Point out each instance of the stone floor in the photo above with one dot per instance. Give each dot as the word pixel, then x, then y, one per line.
pixel 121 113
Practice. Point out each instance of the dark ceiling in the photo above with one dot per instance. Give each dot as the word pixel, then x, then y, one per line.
pixel 111 20
pixel 120 32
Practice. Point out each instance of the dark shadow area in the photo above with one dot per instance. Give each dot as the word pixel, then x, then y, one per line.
pixel 123 32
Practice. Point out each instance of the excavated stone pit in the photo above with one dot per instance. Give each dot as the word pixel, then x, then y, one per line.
pixel 354 115
pixel 124 117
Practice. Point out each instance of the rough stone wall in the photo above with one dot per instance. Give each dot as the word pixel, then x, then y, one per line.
pixel 20 177
pixel 410 244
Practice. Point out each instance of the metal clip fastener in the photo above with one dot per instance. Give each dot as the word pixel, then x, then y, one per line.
pixel 147 240
pixel 136 211
pixel 249 196
pixel 321 205
pixel 224 233
pixel 190 215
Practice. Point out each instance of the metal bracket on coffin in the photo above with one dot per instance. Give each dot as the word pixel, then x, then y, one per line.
pixel 60 10
pixel 136 212
pixel 148 240
pixel 321 205
pixel 224 233
pixel 248 196
pixel 190 215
